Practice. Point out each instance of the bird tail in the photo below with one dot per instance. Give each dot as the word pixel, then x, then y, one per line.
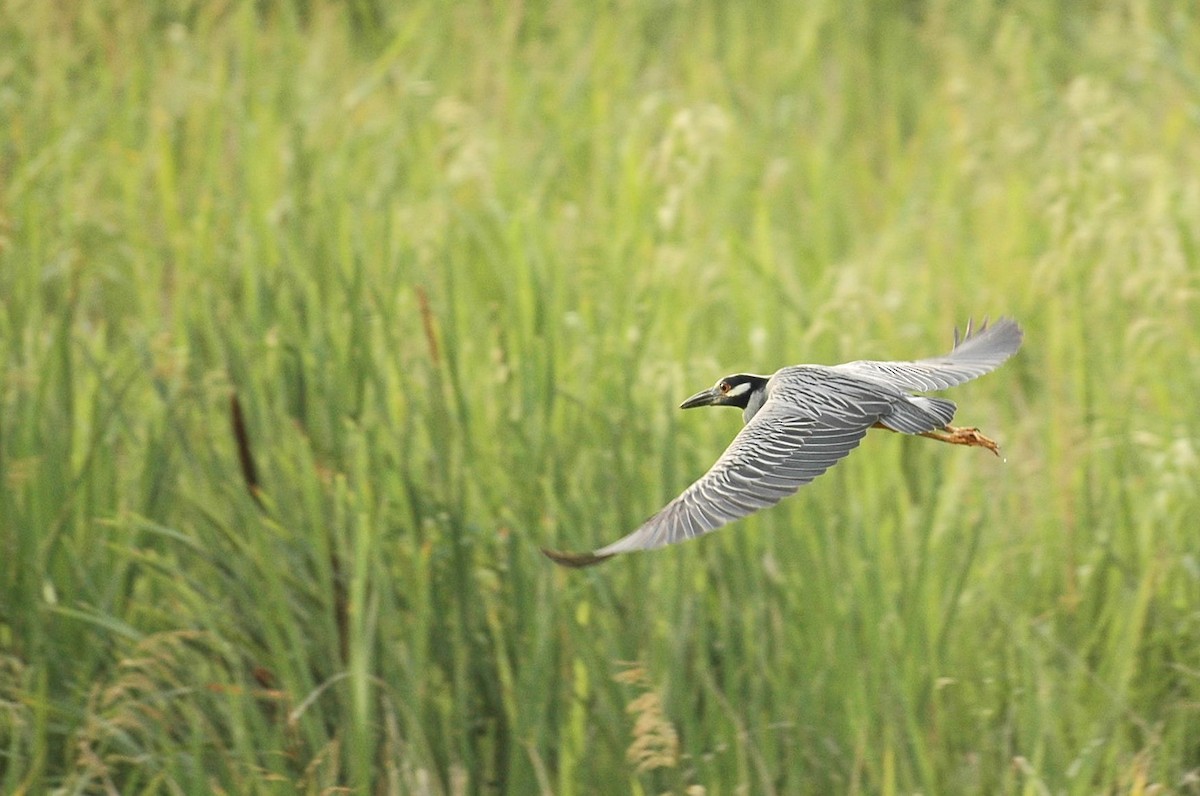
pixel 986 346
pixel 980 350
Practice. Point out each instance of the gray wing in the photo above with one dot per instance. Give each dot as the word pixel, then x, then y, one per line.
pixel 792 440
pixel 978 352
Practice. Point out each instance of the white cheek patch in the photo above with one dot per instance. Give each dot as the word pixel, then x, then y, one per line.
pixel 738 389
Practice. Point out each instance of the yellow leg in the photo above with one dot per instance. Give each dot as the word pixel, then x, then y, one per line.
pixel 963 436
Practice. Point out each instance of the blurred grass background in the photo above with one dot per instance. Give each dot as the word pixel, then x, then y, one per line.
pixel 459 263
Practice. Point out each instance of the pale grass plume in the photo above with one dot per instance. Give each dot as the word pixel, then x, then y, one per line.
pixel 147 699
pixel 683 156
pixel 168 684
pixel 466 153
pixel 655 742
pixel 16 718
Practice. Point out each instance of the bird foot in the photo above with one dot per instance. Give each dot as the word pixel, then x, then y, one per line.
pixel 964 436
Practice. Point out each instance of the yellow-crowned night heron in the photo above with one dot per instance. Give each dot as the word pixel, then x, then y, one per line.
pixel 804 419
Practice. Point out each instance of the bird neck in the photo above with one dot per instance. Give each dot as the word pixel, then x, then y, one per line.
pixel 755 400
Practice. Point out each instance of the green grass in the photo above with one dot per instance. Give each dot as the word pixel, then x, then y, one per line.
pixel 459 264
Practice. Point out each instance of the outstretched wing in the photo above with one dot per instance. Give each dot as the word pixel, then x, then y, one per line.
pixel 795 437
pixel 979 351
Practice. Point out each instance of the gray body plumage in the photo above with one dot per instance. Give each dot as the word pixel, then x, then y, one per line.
pixel 801 421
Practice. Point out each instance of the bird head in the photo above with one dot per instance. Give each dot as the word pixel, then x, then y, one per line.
pixel 742 390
